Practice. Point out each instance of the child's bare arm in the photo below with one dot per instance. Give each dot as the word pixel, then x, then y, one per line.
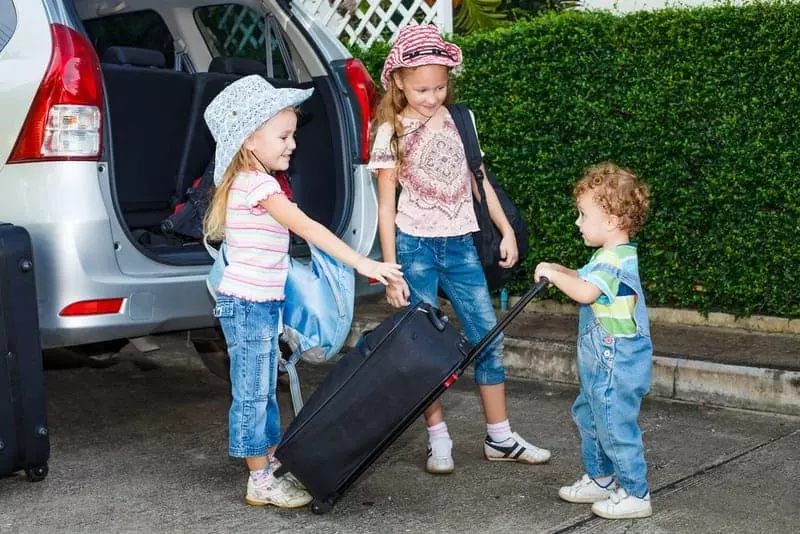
pixel 387 212
pixel 567 281
pixel 397 293
pixel 565 270
pixel 289 215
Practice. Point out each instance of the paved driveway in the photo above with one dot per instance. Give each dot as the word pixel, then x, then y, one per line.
pixel 141 447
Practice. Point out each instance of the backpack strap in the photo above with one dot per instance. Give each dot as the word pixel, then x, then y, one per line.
pixel 469 138
pixel 211 250
pixel 294 379
pixel 214 276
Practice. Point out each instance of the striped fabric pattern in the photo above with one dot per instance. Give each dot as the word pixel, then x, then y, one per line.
pixel 258 246
pixel 614 307
pixel 417 45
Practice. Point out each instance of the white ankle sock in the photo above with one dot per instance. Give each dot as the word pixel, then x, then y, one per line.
pixel 437 432
pixel 499 432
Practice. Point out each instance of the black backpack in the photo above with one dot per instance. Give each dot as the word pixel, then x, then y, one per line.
pixel 187 218
pixel 487 239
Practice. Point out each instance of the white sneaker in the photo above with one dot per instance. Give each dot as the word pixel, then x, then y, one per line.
pixel 275 464
pixel 620 505
pixel 277 492
pixel 440 457
pixel 514 449
pixel 294 481
pixel 586 490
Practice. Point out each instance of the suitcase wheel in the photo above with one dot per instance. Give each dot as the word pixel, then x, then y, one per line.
pixel 36 474
pixel 320 507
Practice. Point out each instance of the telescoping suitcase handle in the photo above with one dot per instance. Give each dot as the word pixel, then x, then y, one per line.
pixel 508 317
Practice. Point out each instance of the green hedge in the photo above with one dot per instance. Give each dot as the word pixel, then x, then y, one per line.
pixel 704 104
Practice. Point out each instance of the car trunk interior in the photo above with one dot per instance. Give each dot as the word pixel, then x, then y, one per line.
pixel 161 144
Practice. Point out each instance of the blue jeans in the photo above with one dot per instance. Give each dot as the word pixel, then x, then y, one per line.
pixel 251 331
pixel 453 263
pixel 614 374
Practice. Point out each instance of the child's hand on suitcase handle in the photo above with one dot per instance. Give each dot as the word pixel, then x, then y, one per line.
pixel 397 294
pixel 544 271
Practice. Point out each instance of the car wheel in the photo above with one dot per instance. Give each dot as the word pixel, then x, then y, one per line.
pixel 213 351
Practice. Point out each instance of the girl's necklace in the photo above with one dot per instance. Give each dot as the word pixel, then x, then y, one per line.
pixel 426 121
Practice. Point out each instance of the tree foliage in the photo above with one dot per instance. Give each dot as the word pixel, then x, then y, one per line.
pixel 702 103
pixel 474 15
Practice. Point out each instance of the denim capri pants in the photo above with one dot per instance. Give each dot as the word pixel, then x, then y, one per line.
pixel 251 331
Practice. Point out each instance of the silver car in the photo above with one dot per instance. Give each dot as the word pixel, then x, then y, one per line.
pixel 101 135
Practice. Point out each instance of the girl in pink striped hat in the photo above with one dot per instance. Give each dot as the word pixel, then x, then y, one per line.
pixel 428 228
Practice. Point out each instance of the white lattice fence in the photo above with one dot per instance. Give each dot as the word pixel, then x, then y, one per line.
pixel 367 21
pixel 244 29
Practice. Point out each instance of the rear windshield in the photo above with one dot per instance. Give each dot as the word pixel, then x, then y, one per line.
pixel 8 22
pixel 233 30
pixel 142 29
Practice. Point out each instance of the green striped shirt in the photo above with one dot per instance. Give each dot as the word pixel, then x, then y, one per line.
pixel 614 307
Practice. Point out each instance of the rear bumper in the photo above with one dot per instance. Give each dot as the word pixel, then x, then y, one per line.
pixel 148 308
pixel 151 304
pixel 77 258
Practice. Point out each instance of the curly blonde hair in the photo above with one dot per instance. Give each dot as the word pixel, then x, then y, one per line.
pixel 619 192
pixel 392 103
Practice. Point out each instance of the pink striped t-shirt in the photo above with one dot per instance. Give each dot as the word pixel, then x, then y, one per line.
pixel 258 246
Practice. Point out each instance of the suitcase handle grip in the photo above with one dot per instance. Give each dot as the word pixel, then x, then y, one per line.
pixel 437 319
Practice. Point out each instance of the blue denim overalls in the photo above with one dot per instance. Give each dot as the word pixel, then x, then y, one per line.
pixel 614 373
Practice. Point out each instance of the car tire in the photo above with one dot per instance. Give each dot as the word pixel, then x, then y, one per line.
pixel 213 351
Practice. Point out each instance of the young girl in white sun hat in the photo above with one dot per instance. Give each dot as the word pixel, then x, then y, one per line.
pixel 254 125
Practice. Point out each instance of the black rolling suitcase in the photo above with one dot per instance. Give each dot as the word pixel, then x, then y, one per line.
pixel 374 393
pixel 24 440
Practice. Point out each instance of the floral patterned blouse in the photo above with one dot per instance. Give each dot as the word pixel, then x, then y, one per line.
pixel 436 183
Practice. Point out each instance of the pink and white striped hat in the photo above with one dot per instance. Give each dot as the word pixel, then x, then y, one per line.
pixel 419 45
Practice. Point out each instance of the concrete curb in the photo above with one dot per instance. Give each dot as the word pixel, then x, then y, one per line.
pixel 755 323
pixel 715 384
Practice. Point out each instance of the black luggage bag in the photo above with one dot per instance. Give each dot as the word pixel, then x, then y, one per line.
pixel 374 393
pixel 24 440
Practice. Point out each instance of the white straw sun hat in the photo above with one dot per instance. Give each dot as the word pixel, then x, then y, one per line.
pixel 239 110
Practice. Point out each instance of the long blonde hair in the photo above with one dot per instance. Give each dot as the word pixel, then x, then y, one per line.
pixel 392 103
pixel 214 222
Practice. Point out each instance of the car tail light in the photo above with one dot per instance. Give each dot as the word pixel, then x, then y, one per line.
pixel 92 307
pixel 65 119
pixel 367 97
